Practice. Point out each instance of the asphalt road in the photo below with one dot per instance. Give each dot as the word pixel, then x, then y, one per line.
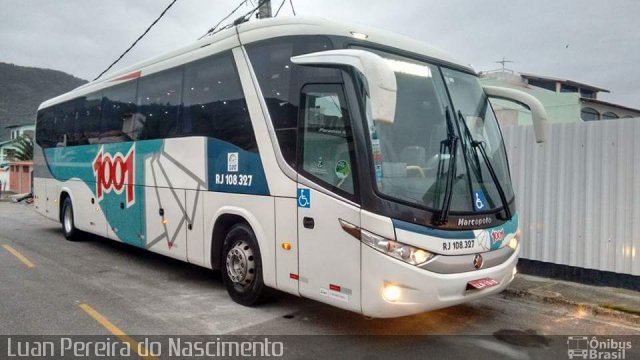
pixel 143 293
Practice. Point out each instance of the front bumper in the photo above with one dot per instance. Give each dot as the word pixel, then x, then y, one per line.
pixel 422 290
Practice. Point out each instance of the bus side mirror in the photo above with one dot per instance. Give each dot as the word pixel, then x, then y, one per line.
pixel 538 112
pixel 380 78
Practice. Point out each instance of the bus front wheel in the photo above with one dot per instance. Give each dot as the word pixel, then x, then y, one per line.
pixel 68 225
pixel 242 266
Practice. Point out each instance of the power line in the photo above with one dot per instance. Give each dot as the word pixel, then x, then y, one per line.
pixel 292 8
pixel 282 4
pixel 223 19
pixel 237 21
pixel 279 8
pixel 250 13
pixel 138 39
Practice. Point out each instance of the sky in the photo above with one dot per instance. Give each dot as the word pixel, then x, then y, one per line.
pixel 591 41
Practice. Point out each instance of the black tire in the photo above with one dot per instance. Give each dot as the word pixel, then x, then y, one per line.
pixel 247 290
pixel 68 223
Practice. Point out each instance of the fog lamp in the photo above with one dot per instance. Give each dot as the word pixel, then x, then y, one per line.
pixel 514 243
pixel 391 293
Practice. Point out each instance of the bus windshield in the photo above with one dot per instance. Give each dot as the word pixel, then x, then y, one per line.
pixel 413 157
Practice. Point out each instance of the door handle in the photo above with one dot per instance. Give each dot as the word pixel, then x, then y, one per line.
pixel 308 222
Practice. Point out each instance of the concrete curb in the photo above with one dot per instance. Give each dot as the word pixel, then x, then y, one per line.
pixel 557 299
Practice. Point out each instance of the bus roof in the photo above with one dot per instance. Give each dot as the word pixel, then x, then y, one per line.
pixel 265 29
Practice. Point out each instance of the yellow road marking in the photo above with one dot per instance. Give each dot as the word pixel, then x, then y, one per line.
pixel 115 330
pixel 20 257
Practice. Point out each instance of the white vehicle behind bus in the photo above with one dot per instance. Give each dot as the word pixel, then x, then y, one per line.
pixel 352 166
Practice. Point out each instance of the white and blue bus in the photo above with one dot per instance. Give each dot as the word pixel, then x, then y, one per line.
pixel 348 165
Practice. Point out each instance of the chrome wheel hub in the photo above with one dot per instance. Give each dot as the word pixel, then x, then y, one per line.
pixel 241 264
pixel 68 219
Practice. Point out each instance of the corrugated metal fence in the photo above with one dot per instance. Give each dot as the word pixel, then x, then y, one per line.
pixel 578 194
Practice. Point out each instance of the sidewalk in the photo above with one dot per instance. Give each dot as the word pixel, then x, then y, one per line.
pixel 6 195
pixel 10 196
pixel 598 300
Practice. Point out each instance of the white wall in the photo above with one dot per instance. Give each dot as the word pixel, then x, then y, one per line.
pixel 578 194
pixel 4 179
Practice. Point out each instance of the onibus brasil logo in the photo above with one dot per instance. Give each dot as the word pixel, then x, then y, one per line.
pixel 583 347
pixel 115 173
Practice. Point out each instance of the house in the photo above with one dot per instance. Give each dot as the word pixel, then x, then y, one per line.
pixel 15 176
pixel 20 173
pixel 7 148
pixel 565 100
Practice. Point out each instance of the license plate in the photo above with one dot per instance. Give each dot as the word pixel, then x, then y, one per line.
pixel 482 284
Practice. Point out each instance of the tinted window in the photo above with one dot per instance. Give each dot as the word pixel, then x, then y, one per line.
pixel 549 85
pixel 88 120
pixel 68 113
pixel 568 88
pixel 327 144
pixel 589 114
pixel 609 116
pixel 159 97
pixel 281 81
pixel 587 94
pixel 214 104
pixel 118 113
pixel 45 129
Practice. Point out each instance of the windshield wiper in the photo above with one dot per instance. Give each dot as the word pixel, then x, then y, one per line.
pixel 480 145
pixel 450 144
pixel 503 197
pixel 469 140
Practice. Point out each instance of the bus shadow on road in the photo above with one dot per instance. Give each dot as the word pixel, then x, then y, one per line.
pixel 102 255
pixel 100 250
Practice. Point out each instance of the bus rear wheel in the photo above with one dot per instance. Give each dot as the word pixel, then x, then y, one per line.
pixel 242 266
pixel 68 225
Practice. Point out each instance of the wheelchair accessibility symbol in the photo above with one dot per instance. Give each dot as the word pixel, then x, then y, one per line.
pixel 479 201
pixel 304 198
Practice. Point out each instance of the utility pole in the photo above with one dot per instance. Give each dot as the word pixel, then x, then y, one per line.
pixel 265 10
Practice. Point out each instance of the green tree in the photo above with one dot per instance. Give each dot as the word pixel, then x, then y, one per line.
pixel 24 148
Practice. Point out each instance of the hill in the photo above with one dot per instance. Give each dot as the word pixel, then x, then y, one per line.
pixel 22 89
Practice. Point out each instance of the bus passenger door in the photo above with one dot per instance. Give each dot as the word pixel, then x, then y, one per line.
pixel 329 257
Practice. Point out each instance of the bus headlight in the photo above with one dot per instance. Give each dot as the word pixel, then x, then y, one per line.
pixel 407 253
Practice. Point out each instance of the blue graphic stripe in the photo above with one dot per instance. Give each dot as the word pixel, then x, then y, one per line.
pixel 127 222
pixel 246 175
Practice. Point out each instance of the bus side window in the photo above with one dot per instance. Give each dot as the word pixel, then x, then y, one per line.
pixel 213 103
pixel 118 105
pixel 326 144
pixel 45 129
pixel 159 99
pixel 88 127
pixel 280 82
